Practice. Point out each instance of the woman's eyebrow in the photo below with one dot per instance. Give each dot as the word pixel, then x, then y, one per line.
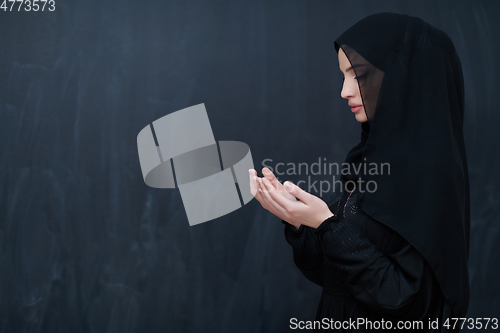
pixel 352 67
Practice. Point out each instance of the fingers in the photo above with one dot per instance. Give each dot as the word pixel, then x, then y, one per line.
pixel 275 200
pixel 256 189
pixel 253 183
pixel 298 192
pixel 268 174
pixel 266 190
pixel 254 186
pixel 279 199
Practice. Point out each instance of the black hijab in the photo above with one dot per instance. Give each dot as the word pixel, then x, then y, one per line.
pixel 411 83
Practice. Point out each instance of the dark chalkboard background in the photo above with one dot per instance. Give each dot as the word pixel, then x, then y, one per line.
pixel 86 246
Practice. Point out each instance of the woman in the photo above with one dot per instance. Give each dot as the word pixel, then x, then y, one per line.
pixel 396 255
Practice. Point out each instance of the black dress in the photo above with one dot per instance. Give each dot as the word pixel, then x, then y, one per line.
pixel 367 271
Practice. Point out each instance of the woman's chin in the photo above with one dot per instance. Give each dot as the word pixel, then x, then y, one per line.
pixel 361 116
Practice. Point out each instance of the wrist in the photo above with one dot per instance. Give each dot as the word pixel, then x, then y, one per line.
pixel 325 217
pixel 296 225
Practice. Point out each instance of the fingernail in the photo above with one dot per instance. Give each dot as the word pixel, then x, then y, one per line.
pixel 288 186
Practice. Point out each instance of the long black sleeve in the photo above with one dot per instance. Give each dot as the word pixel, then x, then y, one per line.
pixel 353 252
pixel 307 252
pixel 388 283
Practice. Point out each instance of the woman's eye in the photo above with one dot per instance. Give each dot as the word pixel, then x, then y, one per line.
pixel 359 77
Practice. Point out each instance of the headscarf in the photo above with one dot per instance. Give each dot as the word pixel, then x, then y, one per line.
pixel 411 84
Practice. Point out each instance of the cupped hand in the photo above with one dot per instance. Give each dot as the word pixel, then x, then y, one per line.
pixel 281 200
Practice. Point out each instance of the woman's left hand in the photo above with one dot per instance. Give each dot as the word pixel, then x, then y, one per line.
pixel 308 210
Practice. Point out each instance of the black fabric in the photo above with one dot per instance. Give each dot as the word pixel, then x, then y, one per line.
pixel 353 160
pixel 367 271
pixel 411 83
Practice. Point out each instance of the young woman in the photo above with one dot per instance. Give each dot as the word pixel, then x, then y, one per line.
pixel 397 255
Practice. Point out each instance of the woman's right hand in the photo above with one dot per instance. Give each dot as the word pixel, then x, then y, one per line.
pixel 281 201
pixel 274 181
pixel 254 187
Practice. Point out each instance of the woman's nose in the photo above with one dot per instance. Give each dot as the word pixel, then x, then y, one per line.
pixel 347 91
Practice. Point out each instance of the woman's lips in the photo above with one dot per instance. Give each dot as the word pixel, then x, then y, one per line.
pixel 356 108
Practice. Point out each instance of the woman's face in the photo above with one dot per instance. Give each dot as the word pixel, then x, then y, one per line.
pixel 350 89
